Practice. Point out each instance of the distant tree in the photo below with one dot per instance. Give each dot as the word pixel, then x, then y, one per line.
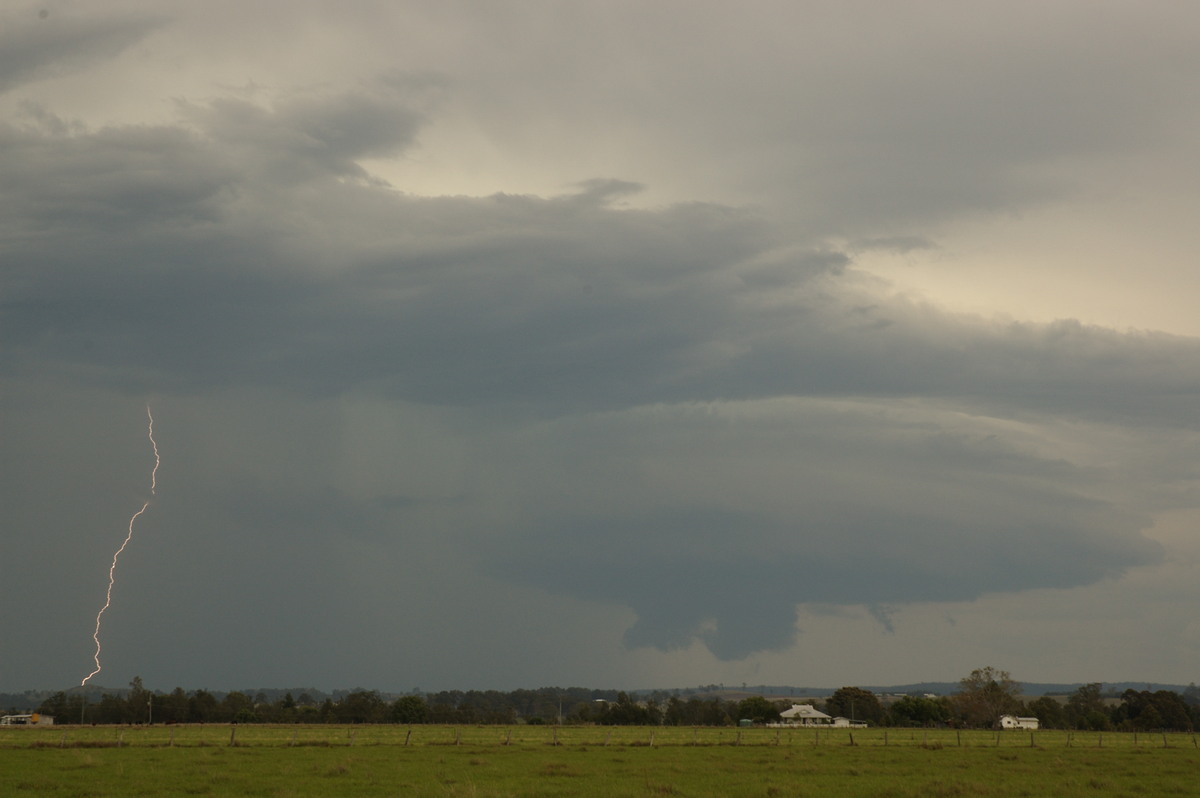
pixel 1144 710
pixel 985 695
pixel 137 702
pixel 237 707
pixel 917 711
pixel 757 709
pixel 1085 708
pixel 1050 713
pixel 410 709
pixel 361 706
pixel 63 707
pixel 203 707
pixel 171 708
pixel 855 703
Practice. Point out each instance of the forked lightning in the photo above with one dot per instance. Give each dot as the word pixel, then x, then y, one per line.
pixel 113 568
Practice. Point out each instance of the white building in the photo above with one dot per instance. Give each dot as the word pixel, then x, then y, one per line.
pixel 27 720
pixel 843 723
pixel 805 715
pixel 1014 722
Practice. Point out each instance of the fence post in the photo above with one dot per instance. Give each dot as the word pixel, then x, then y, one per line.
pixel 232 735
pixel 406 738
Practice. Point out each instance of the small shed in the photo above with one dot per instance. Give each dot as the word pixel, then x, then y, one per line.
pixel 843 723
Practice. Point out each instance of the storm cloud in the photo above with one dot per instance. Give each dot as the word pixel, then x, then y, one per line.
pixel 685 421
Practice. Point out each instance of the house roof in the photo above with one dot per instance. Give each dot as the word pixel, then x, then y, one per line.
pixel 802 711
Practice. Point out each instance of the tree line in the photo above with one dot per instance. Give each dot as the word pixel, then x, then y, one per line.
pixel 982 697
pixel 988 693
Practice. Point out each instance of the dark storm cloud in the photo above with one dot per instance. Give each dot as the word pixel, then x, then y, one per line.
pixel 248 249
pixel 320 284
pixel 867 509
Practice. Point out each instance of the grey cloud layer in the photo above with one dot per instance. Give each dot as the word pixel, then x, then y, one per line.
pixel 276 260
pixel 36 46
pixel 619 366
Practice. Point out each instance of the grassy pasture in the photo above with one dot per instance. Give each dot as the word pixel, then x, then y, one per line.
pixel 587 761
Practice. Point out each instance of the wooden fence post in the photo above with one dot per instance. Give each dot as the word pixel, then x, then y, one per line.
pixel 406 737
pixel 232 735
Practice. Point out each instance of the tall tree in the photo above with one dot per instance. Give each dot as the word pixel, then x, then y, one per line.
pixel 985 695
pixel 1050 713
pixel 918 711
pixel 855 703
pixel 1086 709
pixel 758 709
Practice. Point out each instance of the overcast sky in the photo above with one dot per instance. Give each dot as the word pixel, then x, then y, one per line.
pixel 603 343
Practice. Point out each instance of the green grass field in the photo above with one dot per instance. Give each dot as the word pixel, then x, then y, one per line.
pixel 587 761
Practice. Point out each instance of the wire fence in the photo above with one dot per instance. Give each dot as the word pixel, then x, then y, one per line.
pixel 263 735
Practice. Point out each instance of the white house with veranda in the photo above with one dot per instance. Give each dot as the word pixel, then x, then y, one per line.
pixel 805 715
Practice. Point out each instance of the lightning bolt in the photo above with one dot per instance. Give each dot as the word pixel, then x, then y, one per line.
pixel 112 569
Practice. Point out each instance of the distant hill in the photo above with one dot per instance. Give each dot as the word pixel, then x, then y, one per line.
pixel 1034 689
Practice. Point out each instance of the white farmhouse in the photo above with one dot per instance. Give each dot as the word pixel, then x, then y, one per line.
pixel 1014 722
pixel 805 715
